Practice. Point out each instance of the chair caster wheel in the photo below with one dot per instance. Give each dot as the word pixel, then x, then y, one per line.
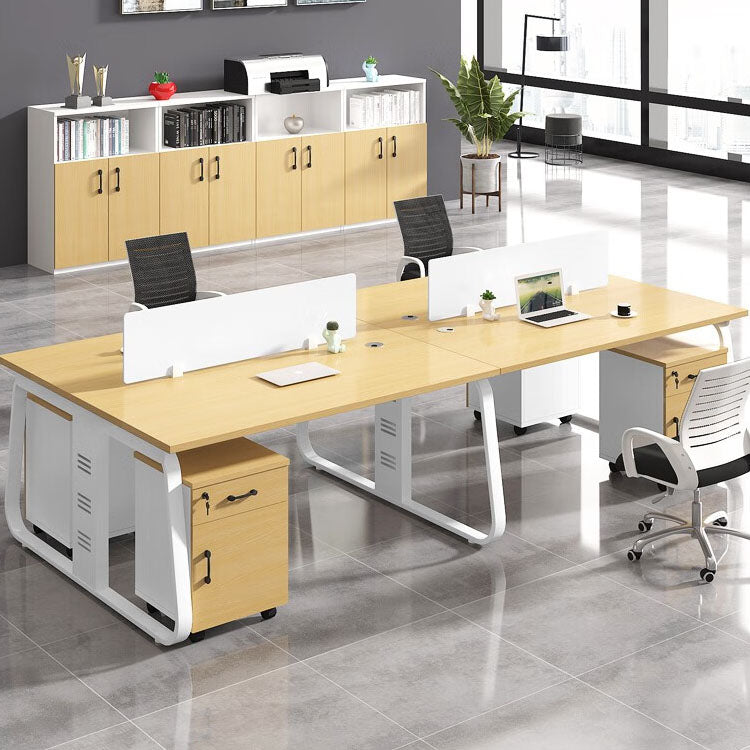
pixel 633 555
pixel 613 468
pixel 520 430
pixel 197 637
pixel 153 611
pixel 478 416
pixel 708 575
pixel 644 526
pixel 566 420
pixel 721 522
pixel 268 614
pixel 661 487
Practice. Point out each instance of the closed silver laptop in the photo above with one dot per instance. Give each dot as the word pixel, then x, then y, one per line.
pixel 298 374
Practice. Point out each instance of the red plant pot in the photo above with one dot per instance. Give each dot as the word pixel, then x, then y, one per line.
pixel 162 91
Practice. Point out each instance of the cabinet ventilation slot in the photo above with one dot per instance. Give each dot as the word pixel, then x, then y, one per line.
pixel 388 460
pixel 84 541
pixel 84 464
pixel 388 426
pixel 83 503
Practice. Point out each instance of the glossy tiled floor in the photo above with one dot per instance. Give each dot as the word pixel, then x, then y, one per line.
pixel 398 635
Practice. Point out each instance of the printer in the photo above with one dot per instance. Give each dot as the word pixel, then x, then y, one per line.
pixel 276 74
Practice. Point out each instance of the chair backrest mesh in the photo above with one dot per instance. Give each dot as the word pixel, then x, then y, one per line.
pixel 714 426
pixel 425 228
pixel 162 269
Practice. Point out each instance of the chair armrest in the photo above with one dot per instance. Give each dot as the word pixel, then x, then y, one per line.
pixel 208 295
pixel 464 250
pixel 636 437
pixel 137 307
pixel 407 260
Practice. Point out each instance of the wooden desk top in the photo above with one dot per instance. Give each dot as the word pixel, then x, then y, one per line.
pixel 509 345
pixel 221 403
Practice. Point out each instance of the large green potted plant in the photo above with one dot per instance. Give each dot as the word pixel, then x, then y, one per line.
pixel 484 117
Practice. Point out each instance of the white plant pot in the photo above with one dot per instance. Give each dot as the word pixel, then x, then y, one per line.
pixel 486 174
pixel 488 309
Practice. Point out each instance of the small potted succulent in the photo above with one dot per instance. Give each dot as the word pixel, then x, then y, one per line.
pixel 332 335
pixel 371 71
pixel 487 303
pixel 161 87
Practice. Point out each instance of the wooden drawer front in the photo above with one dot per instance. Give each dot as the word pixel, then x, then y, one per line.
pixel 249 556
pixel 268 488
pixel 673 408
pixel 684 383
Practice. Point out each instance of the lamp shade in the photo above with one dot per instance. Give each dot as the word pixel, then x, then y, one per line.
pixel 552 43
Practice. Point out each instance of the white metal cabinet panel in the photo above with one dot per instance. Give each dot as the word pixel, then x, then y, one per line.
pixel 48 472
pixel 631 394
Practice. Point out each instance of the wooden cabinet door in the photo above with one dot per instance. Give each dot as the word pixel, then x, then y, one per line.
pixel 407 164
pixel 366 169
pixel 133 201
pixel 249 556
pixel 81 213
pixel 323 176
pixel 184 195
pixel 279 187
pixel 231 179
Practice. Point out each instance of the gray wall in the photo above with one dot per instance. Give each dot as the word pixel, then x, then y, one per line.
pixel 406 35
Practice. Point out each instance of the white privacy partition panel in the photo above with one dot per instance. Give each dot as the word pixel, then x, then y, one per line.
pixel 456 282
pixel 206 333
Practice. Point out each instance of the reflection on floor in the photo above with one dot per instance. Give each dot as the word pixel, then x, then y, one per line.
pixel 397 634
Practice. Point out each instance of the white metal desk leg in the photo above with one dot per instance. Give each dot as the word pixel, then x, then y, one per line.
pixel 492 459
pixel 180 552
pixel 725 339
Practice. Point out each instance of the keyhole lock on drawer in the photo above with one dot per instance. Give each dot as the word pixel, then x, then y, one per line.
pixel 230 498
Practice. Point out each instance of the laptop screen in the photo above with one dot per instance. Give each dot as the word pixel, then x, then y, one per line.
pixel 541 292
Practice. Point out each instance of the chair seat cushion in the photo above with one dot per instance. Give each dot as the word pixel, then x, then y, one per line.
pixel 651 461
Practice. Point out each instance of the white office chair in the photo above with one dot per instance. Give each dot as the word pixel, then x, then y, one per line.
pixel 713 446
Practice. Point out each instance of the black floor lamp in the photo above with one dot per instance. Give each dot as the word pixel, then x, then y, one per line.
pixel 543 44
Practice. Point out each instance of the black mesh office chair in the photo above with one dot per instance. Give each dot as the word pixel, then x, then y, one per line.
pixel 427 235
pixel 163 271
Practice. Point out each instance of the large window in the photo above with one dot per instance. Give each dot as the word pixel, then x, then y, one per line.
pixel 681 98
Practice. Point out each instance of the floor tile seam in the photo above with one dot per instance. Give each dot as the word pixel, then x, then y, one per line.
pixel 697 626
pixel 726 632
pixel 232 686
pixel 97 731
pixel 363 702
pixel 502 706
pixel 53 293
pixel 534 656
pixel 642 713
pixel 32 644
pixel 643 593
pixel 113 624
pixel 57 325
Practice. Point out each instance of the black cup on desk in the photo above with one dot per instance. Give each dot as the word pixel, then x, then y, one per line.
pixel 623 311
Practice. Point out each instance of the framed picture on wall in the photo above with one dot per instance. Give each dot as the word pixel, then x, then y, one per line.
pixel 129 7
pixel 327 2
pixel 232 4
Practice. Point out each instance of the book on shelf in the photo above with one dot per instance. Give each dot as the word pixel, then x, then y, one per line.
pixel 92 137
pixel 385 108
pixel 204 125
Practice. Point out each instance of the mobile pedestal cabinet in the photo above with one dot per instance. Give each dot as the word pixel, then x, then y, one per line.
pixel 236 498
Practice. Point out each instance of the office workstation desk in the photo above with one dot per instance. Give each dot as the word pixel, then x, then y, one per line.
pixel 159 419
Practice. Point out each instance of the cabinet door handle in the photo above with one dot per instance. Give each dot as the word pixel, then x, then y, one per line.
pixel 234 498
pixel 395 147
pixel 294 151
pixel 203 174
pixel 309 157
pixel 380 141
pixel 218 167
pixel 207 553
pixel 676 421
pixel 692 377
pixel 117 172
pixel 101 181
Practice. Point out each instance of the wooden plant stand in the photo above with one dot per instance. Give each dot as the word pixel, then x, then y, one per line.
pixel 474 193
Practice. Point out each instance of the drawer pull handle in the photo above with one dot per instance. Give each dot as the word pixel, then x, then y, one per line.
pixel 206 497
pixel 692 377
pixel 676 376
pixel 207 553
pixel 234 498
pixel 676 421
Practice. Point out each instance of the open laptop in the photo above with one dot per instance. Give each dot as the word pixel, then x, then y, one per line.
pixel 541 300
pixel 298 374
